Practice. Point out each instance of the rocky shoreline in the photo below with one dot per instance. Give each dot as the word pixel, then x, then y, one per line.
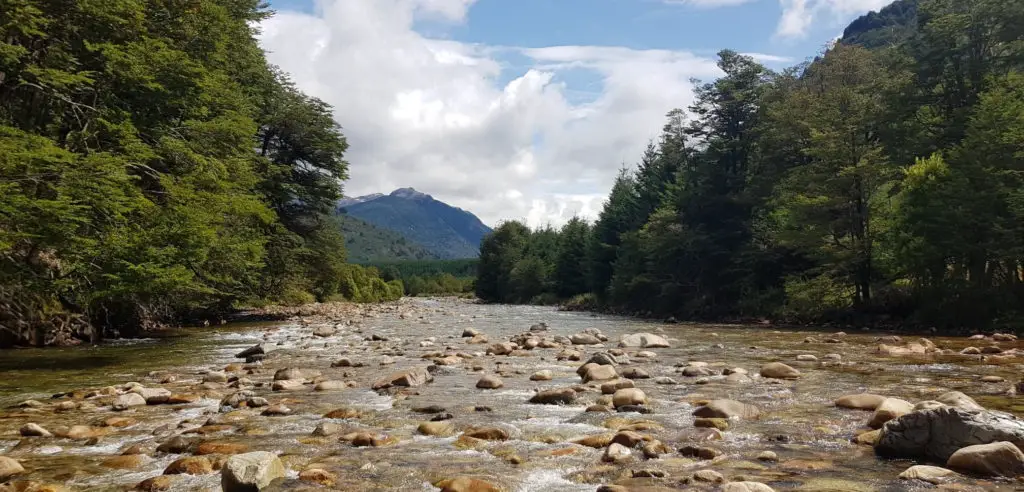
pixel 454 396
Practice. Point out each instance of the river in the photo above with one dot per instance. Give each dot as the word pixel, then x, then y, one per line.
pixel 810 437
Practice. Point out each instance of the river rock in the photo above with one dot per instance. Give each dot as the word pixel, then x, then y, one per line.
pixel 295 374
pixel 959 400
pixel 931 474
pixel 603 359
pixel 937 434
pixel 806 358
pixel 501 348
pixel 276 410
pixel 490 381
pixel 616 453
pixel 701 452
pixel 727 409
pixel 696 371
pixel 324 331
pixel 643 340
pixel 599 373
pixel 190 465
pixel 330 385
pixel 611 387
pixel 861 401
pixel 215 447
pixel 287 385
pixel 176 445
pixel 778 370
pixel 128 400
pixel 318 476
pixel 635 373
pixel 928 405
pixel 254 350
pixel 465 484
pixel 124 462
pixel 9 467
pixel 154 396
pixel 408 378
pixel 714 423
pixel 215 377
pixel 628 396
pixel 250 471
pixel 710 476
pixel 487 433
pixel 440 429
pixel 554 396
pixel 994 459
pixel 746 487
pixel 584 339
pixel 34 430
pixel 543 375
pixel 328 429
pixel 889 409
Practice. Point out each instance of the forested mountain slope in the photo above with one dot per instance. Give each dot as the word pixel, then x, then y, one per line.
pixel 447 232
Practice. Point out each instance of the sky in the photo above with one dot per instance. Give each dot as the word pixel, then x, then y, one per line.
pixel 522 109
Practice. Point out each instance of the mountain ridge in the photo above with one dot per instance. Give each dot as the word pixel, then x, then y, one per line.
pixel 445 231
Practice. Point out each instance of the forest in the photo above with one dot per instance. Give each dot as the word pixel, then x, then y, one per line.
pixel 881 182
pixel 431 277
pixel 154 168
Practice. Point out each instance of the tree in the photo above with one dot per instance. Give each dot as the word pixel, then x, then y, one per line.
pixel 829 206
pixel 500 251
pixel 571 276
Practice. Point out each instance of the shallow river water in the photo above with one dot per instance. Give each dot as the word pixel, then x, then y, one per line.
pixel 810 436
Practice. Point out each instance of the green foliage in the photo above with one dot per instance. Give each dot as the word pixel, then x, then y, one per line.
pixel 368 244
pixel 884 180
pixel 432 278
pixel 154 167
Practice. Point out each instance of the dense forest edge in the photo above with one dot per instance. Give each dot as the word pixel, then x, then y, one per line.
pixel 431 278
pixel 881 183
pixel 155 169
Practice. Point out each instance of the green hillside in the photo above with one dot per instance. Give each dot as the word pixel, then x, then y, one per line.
pixel 366 243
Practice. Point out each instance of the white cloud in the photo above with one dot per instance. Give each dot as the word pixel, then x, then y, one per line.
pixel 708 3
pixel 799 15
pixel 446 117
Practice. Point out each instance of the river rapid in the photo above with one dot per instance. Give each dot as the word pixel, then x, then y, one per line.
pixel 801 440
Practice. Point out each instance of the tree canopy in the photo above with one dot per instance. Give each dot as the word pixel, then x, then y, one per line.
pixel 153 167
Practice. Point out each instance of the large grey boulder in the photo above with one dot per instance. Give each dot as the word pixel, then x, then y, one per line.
pixel 250 472
pixel 938 433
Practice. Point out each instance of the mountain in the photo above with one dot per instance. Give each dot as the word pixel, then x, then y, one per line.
pixel 889 26
pixel 445 231
pixel 366 243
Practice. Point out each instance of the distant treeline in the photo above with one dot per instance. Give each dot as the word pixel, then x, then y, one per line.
pixel 870 185
pixel 431 277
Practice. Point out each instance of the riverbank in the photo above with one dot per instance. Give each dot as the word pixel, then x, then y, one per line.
pixel 327 399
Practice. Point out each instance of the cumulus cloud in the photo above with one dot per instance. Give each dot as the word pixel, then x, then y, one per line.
pixel 799 15
pixel 460 122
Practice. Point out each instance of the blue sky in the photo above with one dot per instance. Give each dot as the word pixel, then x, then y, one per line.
pixel 523 109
